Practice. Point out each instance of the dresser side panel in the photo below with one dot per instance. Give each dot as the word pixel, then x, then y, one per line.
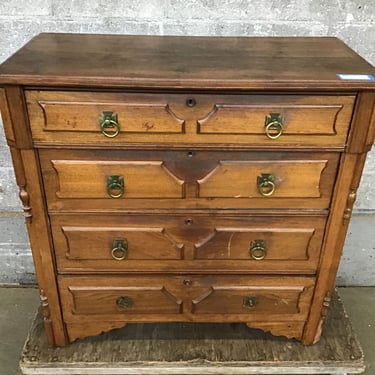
pixel 16 117
pixel 41 246
pixel 360 138
pixel 5 115
pixel 26 166
pixel 362 131
pixel 342 203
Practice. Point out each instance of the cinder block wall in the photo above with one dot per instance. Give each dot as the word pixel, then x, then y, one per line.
pixel 351 20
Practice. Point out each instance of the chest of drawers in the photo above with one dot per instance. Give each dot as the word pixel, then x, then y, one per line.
pixel 190 179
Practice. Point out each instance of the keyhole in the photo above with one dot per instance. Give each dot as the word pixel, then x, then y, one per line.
pixel 189 221
pixel 191 102
pixel 190 154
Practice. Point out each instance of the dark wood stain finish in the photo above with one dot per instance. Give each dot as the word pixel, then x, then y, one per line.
pixel 189 156
pixel 185 62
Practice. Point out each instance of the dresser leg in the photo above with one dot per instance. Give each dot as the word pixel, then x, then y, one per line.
pixel 48 327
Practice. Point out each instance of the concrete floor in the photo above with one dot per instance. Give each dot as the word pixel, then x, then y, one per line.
pixel 18 307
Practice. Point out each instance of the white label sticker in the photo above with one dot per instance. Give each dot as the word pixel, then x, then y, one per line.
pixel 356 77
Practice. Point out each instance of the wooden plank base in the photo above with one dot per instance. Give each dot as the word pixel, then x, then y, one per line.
pixel 187 348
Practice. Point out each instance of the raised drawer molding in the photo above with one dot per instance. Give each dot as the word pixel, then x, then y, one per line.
pixel 190 179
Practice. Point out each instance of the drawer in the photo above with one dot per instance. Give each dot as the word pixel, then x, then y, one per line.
pixel 111 180
pixel 185 298
pixel 174 243
pixel 123 118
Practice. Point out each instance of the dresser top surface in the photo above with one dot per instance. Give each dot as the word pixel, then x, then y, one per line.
pixel 175 62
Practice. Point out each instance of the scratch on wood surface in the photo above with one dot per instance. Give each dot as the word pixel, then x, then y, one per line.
pixel 230 243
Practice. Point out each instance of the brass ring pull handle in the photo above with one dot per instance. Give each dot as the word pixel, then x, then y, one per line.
pixel 124 302
pixel 266 184
pixel 274 125
pixel 250 301
pixel 274 129
pixel 109 125
pixel 258 250
pixel 119 249
pixel 115 186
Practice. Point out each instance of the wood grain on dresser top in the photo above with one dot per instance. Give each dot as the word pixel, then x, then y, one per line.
pixel 191 147
pixel 185 62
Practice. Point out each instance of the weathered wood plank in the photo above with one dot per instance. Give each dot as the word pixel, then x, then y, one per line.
pixel 185 348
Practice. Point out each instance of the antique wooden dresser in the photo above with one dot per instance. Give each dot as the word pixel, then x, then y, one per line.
pixel 198 179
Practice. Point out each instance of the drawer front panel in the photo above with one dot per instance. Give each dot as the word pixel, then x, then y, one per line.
pixel 239 179
pixel 56 114
pixel 178 179
pixel 102 242
pixel 185 297
pixel 92 179
pixel 78 117
pixel 122 300
pixel 170 243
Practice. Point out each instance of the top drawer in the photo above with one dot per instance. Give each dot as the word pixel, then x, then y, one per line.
pixel 104 118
